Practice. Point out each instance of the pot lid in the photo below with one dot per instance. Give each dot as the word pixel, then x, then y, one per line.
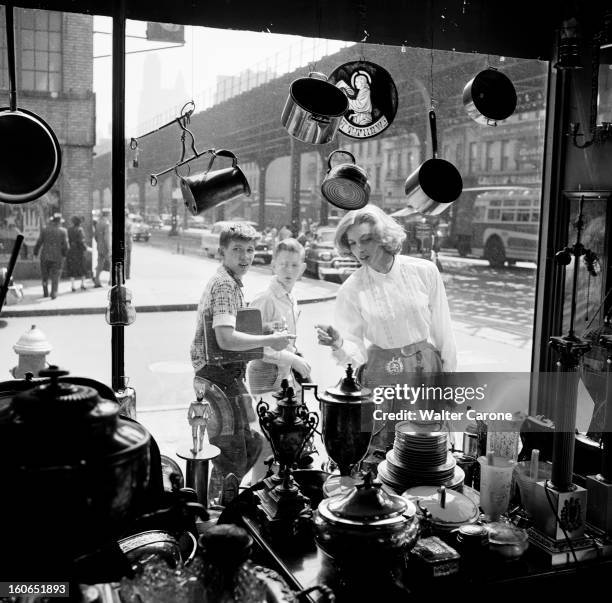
pixel 33 341
pixel 448 508
pixel 367 502
pixel 55 398
pixel 347 390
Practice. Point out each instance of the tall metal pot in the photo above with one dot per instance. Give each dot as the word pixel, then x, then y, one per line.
pixel 314 109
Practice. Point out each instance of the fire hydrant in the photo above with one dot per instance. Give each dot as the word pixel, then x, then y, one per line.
pixel 32 349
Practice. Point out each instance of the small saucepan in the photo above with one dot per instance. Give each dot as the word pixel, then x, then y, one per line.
pixel 489 97
pixel 433 186
pixel 346 184
pixel 30 156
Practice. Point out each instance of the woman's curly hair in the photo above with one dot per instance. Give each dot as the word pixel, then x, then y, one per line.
pixel 387 231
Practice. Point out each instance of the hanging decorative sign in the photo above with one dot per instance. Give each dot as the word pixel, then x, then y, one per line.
pixel 372 98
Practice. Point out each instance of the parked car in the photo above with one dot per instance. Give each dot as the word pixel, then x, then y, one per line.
pixel 210 243
pixel 154 221
pixel 196 222
pixel 140 229
pixel 322 259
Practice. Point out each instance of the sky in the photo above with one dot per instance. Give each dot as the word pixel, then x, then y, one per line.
pixel 186 72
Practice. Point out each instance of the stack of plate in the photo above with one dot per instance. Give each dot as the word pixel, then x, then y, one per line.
pixel 420 457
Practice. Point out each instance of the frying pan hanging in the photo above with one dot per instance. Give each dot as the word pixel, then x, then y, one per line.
pixel 433 186
pixel 30 156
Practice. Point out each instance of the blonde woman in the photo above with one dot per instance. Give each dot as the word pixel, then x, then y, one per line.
pixel 392 318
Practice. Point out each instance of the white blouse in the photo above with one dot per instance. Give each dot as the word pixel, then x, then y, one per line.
pixel 404 306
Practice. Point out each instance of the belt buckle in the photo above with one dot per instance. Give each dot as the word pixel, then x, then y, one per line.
pixel 395 366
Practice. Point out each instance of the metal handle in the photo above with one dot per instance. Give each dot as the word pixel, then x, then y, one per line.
pixel 317 75
pixel 434 133
pixel 339 151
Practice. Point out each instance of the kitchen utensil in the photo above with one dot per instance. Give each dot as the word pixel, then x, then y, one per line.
pixel 30 155
pixel 314 109
pixel 366 527
pixel 489 97
pixel 346 184
pixel 436 183
pixel 210 188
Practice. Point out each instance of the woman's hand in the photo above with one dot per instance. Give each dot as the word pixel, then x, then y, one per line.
pixel 329 336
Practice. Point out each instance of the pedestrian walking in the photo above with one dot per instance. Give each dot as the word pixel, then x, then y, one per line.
pixel 75 260
pixel 102 235
pixel 53 247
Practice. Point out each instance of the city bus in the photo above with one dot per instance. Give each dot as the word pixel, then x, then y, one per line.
pixel 499 224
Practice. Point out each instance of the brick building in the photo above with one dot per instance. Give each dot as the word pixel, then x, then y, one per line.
pixel 54 65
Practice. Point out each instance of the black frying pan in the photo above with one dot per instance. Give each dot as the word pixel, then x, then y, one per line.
pixel 30 155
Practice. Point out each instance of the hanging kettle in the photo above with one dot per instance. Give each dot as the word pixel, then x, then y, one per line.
pixel 346 185
pixel 489 97
pixel 314 109
pixel 433 186
pixel 30 156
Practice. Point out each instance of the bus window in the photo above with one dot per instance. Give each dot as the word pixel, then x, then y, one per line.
pixel 522 215
pixel 479 213
pixel 494 214
pixel 525 202
pixel 509 202
pixel 535 216
pixel 495 203
pixel 508 216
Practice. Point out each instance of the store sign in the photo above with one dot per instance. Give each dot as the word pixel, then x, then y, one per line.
pixel 372 98
pixel 165 32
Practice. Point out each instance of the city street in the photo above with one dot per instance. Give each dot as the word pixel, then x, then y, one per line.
pixel 491 310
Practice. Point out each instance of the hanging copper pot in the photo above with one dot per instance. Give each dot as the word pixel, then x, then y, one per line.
pixel 489 97
pixel 30 156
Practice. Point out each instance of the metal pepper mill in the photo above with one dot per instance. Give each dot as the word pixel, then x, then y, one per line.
pixel 288 427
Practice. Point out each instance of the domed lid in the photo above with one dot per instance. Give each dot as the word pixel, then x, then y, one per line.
pixel 33 341
pixel 448 508
pixel 367 502
pixel 347 390
pixel 55 399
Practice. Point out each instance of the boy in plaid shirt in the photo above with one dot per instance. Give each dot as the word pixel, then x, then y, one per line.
pixel 224 385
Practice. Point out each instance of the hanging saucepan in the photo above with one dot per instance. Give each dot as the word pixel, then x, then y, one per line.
pixel 30 155
pixel 346 185
pixel 489 97
pixel 436 183
pixel 314 109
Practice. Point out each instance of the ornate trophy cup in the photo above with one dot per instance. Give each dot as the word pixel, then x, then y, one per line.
pixel 347 413
pixel 288 427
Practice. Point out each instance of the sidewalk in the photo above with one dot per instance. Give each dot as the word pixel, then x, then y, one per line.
pixel 162 282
